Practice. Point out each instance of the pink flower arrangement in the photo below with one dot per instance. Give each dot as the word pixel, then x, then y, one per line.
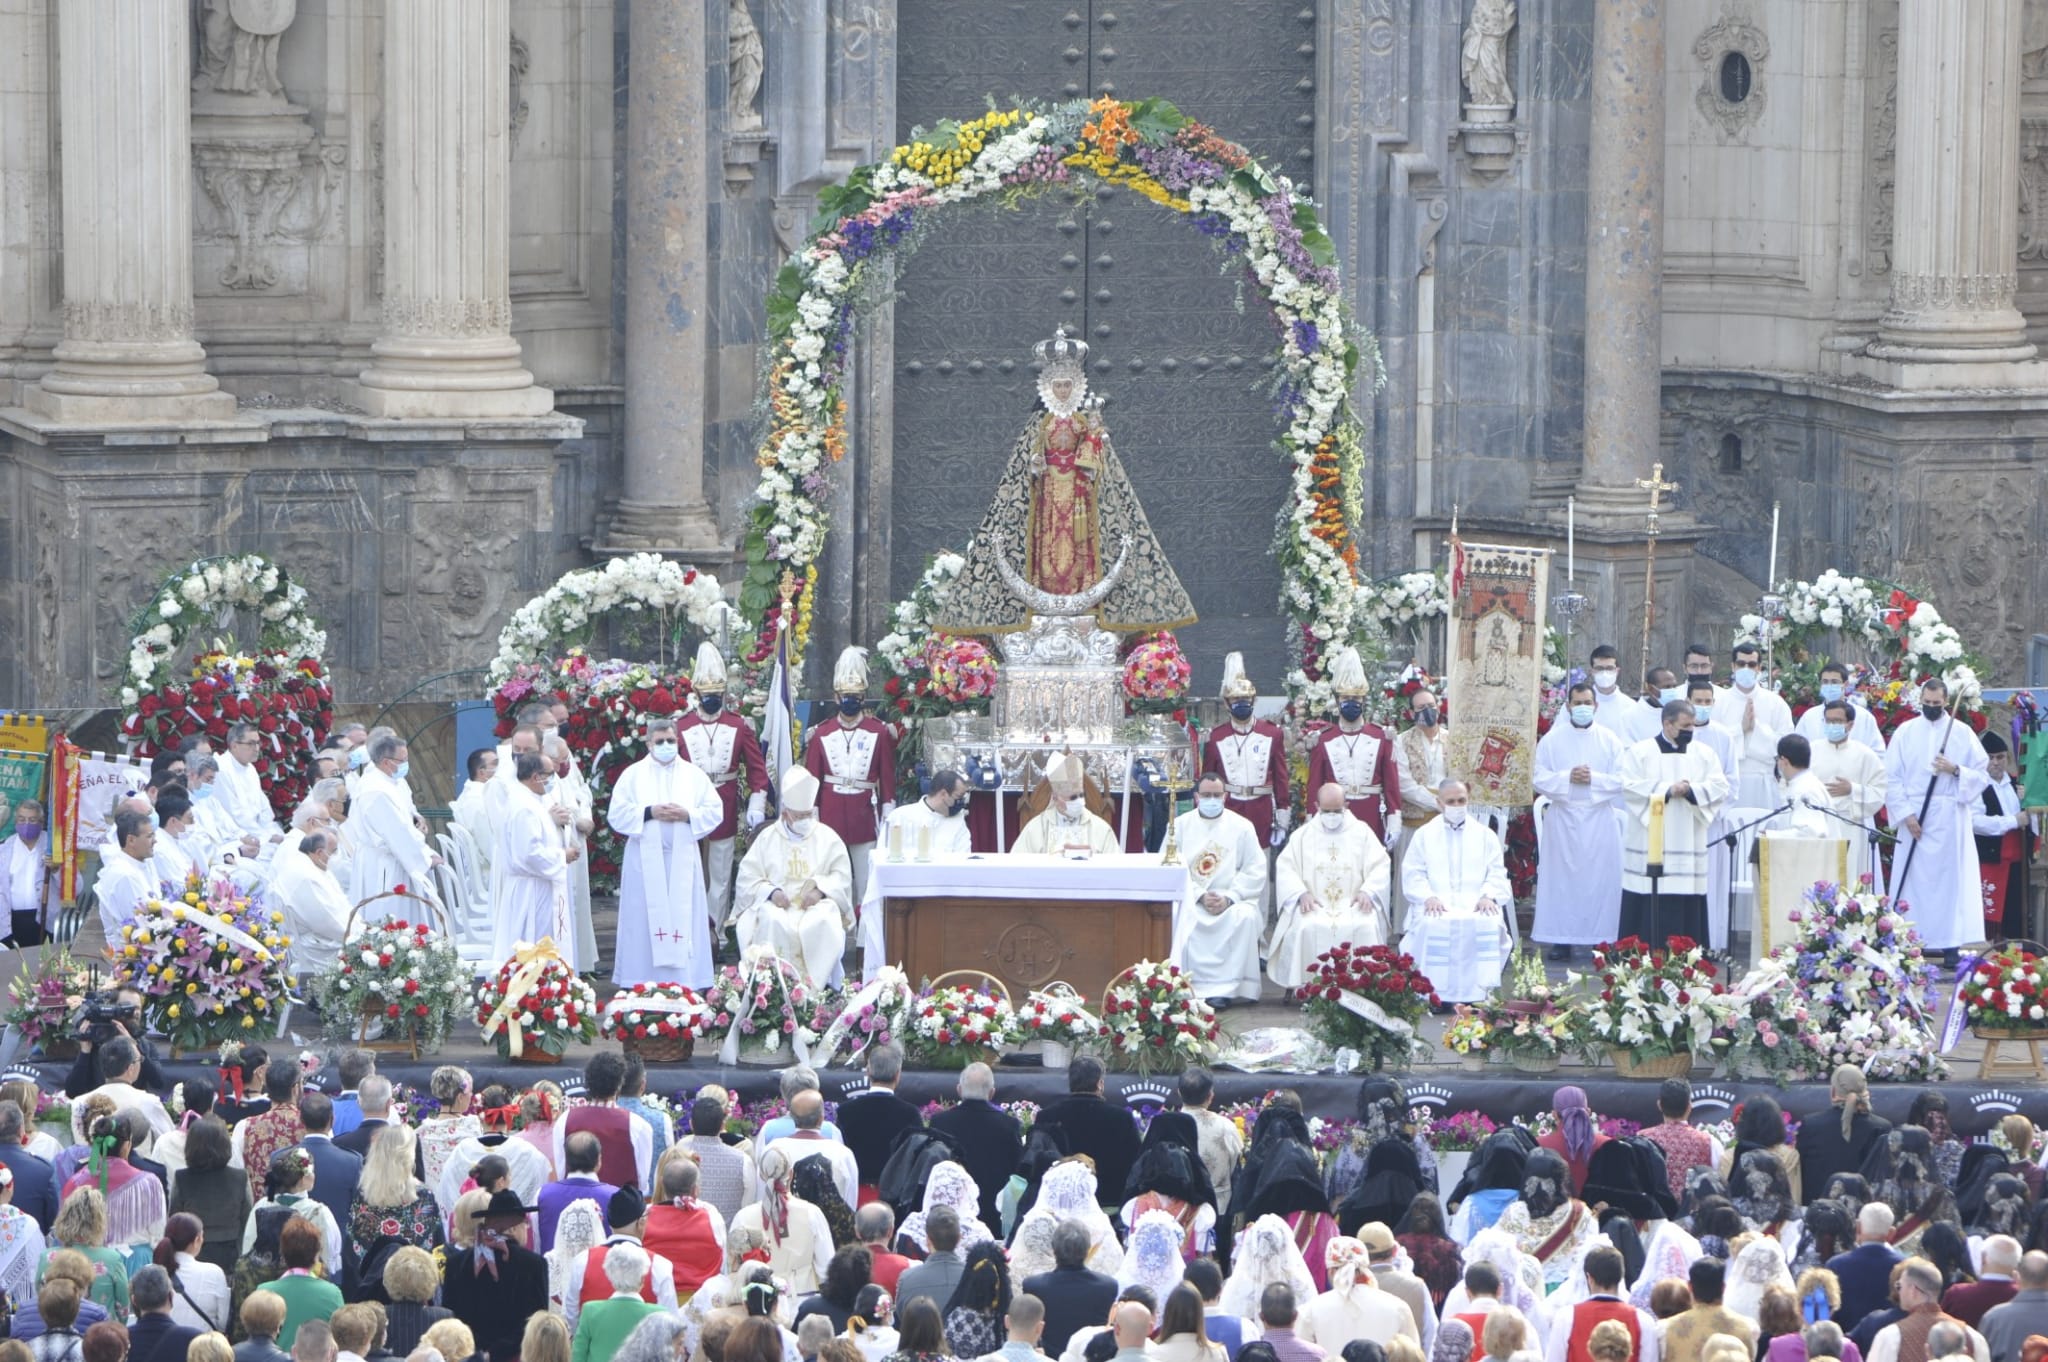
pixel 1156 668
pixel 961 668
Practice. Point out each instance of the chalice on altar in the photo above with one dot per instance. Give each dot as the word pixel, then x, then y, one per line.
pixel 1178 777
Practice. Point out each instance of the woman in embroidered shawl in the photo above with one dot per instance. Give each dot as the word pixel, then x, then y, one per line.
pixel 288 1182
pixel 135 1199
pixel 21 1243
pixel 796 1233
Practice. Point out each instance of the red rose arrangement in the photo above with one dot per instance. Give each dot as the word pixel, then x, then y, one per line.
pixel 1154 1020
pixel 1377 979
pixel 289 702
pixel 536 1005
pixel 661 1011
pixel 405 973
pixel 2008 991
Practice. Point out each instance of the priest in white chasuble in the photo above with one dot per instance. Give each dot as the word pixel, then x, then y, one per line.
pixel 1578 875
pixel 1852 772
pixel 662 805
pixel 1066 827
pixel 1672 789
pixel 1331 884
pixel 795 886
pixel 929 828
pixel 1935 762
pixel 389 848
pixel 530 871
pixel 1217 923
pixel 1454 876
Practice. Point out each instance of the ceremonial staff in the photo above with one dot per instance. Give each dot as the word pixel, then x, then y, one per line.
pixel 1657 487
pixel 1926 802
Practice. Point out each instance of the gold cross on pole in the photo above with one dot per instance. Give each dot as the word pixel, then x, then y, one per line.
pixel 1656 486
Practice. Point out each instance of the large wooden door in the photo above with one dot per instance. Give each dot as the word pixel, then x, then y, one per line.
pixel 1180 351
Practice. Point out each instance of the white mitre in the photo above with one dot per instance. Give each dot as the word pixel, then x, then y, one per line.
pixel 1236 685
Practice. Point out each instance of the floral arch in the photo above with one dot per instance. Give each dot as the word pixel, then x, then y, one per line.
pixel 1904 637
pixel 1006 156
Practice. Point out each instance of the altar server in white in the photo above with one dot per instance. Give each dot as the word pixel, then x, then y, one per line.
pixel 471 810
pixel 1578 876
pixel 1614 708
pixel 240 788
pixel 530 871
pixel 504 785
pixel 315 906
pixel 1938 886
pixel 938 820
pixel 1853 775
pixel 1066 827
pixel 569 804
pixel 1455 878
pixel 1678 787
pixel 1216 926
pixel 1834 686
pixel 662 805
pixel 1720 856
pixel 1331 884
pixel 1758 718
pixel 389 848
pixel 795 886
pixel 1799 787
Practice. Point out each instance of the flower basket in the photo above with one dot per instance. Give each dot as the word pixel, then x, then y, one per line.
pixel 1056 1018
pixel 1660 1006
pixel 41 1005
pixel 764 1012
pixel 210 966
pixel 1526 1062
pixel 1370 999
pixel 1474 1062
pixel 659 1022
pixel 2006 994
pixel 765 1051
pixel 536 1003
pixel 2021 1033
pixel 1635 1064
pixel 876 1010
pixel 403 978
pixel 953 1025
pixel 1154 1021
pixel 1850 990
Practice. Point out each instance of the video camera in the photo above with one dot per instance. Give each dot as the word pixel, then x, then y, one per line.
pixel 105 1014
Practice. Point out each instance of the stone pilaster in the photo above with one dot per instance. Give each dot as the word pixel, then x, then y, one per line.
pixel 128 356
pixel 1624 257
pixel 445 348
pixel 662 503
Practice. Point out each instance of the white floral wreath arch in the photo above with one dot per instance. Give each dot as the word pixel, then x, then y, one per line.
pixel 247 581
pixel 1897 626
pixel 642 581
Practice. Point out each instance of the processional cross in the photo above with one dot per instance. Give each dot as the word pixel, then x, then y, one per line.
pixel 1656 486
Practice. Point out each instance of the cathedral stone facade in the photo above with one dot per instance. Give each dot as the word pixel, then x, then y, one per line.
pixel 432 301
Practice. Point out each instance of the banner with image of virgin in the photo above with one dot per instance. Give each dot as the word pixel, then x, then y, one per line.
pixel 1494 680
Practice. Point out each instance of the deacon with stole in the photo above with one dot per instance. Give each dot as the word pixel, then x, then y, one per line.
pixel 1673 789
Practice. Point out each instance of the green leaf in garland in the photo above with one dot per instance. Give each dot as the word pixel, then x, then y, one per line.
pixel 1156 121
pixel 1253 180
pixel 789 287
pixel 1314 239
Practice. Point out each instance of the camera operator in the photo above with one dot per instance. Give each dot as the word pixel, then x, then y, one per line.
pixel 114 1061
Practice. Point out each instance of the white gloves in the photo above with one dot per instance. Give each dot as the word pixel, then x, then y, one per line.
pixel 1393 832
pixel 757 808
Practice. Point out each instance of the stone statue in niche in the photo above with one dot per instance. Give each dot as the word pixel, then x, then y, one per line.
pixel 744 63
pixel 238 47
pixel 1484 58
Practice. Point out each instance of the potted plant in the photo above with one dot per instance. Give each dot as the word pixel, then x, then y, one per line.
pixel 1370 999
pixel 535 1007
pixel 1154 1020
pixel 660 1022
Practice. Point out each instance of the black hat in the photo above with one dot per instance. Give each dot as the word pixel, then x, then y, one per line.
pixel 1993 744
pixel 626 1208
pixel 504 1205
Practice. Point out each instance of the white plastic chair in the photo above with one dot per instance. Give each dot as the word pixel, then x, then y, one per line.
pixel 472 862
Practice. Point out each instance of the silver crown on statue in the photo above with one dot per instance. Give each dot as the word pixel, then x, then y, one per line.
pixel 1061 349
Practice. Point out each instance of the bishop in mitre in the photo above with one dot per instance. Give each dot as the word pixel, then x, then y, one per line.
pixel 530 871
pixel 1331 883
pixel 1216 925
pixel 662 806
pixel 1852 772
pixel 930 829
pixel 1672 788
pixel 1066 827
pixel 1454 876
pixel 795 887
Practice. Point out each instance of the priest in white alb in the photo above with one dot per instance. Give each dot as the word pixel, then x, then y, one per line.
pixel 1217 923
pixel 1757 718
pixel 240 786
pixel 1722 743
pixel 315 906
pixel 1935 763
pixel 662 805
pixel 530 871
pixel 569 804
pixel 1852 772
pixel 1834 686
pixel 931 828
pixel 389 848
pixel 1578 872
pixel 472 811
pixel 1331 883
pixel 794 891
pixel 1672 790
pixel 1454 876
pixel 1066 827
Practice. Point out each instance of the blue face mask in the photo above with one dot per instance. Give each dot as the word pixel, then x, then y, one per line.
pixel 849 705
pixel 1210 806
pixel 154 821
pixel 1830 691
pixel 1582 716
pixel 203 792
pixel 1240 709
pixel 710 704
pixel 403 768
pixel 1835 732
pixel 1670 693
pixel 1350 711
pixel 1745 677
pixel 358 758
pixel 1704 713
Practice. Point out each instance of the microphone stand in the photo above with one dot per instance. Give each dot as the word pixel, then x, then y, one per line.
pixel 1926 803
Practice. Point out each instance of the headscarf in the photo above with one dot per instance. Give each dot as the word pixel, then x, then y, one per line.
pixel 1702 1184
pixel 1849 1084
pixel 1349 1264
pixel 1671 1253
pixel 1174 1131
pixel 1031 1253
pixel 1759 1267
pixel 1266 1253
pixel 1382 1111
pixel 2003 1207
pixel 775 1175
pixel 1498 1164
pixel 1546 1183
pixel 1170 1171
pixel 1068 1190
pixel 1763 1191
pixel 1290 1181
pixel 1943 1245
pixel 1498 1247
pixel 949 1184
pixel 1152 1258
pixel 1389 1184
pixel 1574 1122
pixel 1454 1341
pixel 812 1181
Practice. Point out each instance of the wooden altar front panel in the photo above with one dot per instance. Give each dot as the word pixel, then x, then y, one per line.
pixel 1028 943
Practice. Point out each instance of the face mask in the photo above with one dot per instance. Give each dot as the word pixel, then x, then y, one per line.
pixel 799 828
pixel 1332 822
pixel 203 792
pixel 1830 691
pixel 358 758
pixel 1745 678
pixel 849 705
pixel 549 732
pixel 664 752
pixel 29 831
pixel 1835 732
pixel 1240 709
pixel 1606 680
pixel 404 769
pixel 1076 806
pixel 1210 806
pixel 1350 711
pixel 1426 717
pixel 1582 716
pixel 1932 709
pixel 1454 814
pixel 554 781
pixel 1683 740
pixel 1669 693
pixel 1691 675
pixel 957 807
pixel 710 704
pixel 1704 713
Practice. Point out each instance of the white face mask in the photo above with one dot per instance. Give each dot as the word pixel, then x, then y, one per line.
pixel 798 828
pixel 1076 805
pixel 663 751
pixel 1454 814
pixel 1606 680
pixel 1331 821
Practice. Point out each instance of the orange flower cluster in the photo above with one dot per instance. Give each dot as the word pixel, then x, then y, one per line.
pixel 785 412
pixel 1109 131
pixel 1199 139
pixel 835 438
pixel 1327 523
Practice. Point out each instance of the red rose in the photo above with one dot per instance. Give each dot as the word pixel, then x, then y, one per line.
pixel 149 705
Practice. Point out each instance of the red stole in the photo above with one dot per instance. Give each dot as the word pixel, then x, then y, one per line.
pixel 683 1236
pixel 613 1127
pixel 598 1287
pixel 1586 1314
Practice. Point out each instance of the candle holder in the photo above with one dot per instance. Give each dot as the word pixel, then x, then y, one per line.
pixel 1770 607
pixel 1179 776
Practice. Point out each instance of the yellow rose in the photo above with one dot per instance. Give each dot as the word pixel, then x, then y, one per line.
pixel 248 1023
pixel 242 992
pixel 171 1011
pixel 235 966
pixel 128 952
pixel 192 988
pixel 263 1004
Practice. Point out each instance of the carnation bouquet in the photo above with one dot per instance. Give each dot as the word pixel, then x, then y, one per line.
pixel 210 966
pixel 1858 968
pixel 953 1026
pixel 1154 1020
pixel 404 974
pixel 658 1021
pixel 1059 1019
pixel 2004 991
pixel 1646 1004
pixel 765 1011
pixel 1370 999
pixel 536 1006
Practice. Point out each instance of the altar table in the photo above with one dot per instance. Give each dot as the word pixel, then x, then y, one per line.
pixel 1027 920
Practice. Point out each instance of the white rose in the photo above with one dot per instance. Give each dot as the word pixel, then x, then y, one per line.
pixel 170 609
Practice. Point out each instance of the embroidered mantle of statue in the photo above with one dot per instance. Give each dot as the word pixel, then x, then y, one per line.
pixel 1064 534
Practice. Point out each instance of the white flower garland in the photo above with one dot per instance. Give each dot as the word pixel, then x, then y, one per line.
pixel 246 581
pixel 1858 607
pixel 911 620
pixel 643 581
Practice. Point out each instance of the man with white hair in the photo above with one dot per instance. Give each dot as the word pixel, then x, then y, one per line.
pixel 1066 826
pixel 1331 883
pixel 722 745
pixel 662 806
pixel 1217 923
pixel 1455 879
pixel 2007 1327
pixel 1920 1333
pixel 795 887
pixel 993 1140
pixel 530 872
pixel 315 906
pixel 1998 1262
pixel 390 850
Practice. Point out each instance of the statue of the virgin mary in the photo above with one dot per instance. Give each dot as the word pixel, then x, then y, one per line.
pixel 1064 532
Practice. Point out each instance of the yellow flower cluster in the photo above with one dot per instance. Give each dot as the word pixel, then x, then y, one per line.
pixel 1112 171
pixel 942 163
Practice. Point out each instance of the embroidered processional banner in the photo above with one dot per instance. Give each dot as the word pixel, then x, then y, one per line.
pixel 1494 682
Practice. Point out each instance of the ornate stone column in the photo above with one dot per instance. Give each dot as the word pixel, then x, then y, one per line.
pixel 662 504
pixel 445 348
pixel 1955 248
pixel 128 355
pixel 1624 256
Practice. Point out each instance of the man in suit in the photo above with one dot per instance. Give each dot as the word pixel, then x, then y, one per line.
pixel 1865 1271
pixel 940 1272
pixel 1075 1296
pixel 374 1096
pixel 154 1337
pixel 1086 1123
pixel 2006 1327
pixel 335 1171
pixel 35 1182
pixel 871 1122
pixel 992 1138
pixel 1827 1144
